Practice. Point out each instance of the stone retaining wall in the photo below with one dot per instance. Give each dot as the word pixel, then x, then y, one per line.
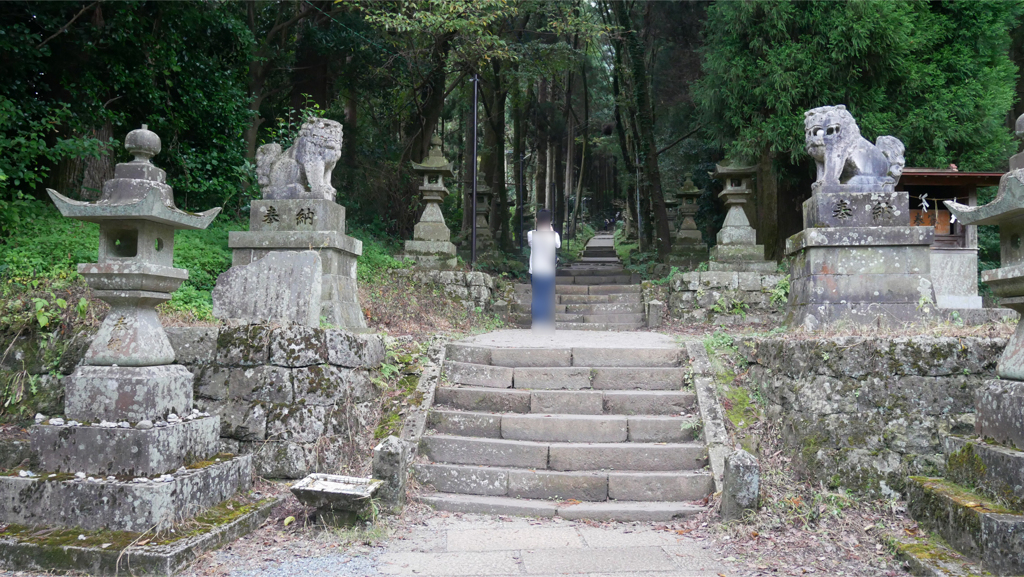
pixel 471 288
pixel 293 396
pixel 864 413
pixel 728 298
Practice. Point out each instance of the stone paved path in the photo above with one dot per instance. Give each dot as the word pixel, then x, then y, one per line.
pixel 436 544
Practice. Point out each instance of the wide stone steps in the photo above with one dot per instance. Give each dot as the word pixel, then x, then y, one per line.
pixel 993 470
pixel 533 431
pixel 598 511
pixel 579 402
pixel 970 523
pixel 585 289
pixel 563 485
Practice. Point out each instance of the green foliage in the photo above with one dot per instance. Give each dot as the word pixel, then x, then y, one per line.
pixel 780 292
pixel 376 262
pixel 937 75
pixel 47 246
pixel 720 341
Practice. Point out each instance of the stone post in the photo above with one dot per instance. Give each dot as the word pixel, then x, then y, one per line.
pixel 737 249
pixel 857 258
pixel 298 213
pixel 131 436
pixel 431 245
pixel 741 485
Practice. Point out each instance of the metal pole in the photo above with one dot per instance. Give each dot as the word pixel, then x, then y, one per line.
pixel 472 250
pixel 522 205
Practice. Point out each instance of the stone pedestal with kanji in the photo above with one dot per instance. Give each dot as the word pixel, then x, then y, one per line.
pixel 857 259
pixel 295 215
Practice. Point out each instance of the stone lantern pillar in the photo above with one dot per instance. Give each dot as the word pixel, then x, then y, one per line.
pixel 688 247
pixel 130 435
pixel 431 245
pixel 737 249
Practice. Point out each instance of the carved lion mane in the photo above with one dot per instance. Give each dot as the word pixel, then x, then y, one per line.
pixel 843 156
pixel 304 170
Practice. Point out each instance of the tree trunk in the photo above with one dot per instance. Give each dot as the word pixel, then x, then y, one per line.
pixel 645 120
pixel 768 206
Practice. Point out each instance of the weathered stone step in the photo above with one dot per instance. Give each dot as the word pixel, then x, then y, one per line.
pixel 583 289
pixel 566 378
pixel 595 271
pixel 542 358
pixel 614 318
pixel 563 326
pixel 565 427
pixel 652 403
pixel 624 511
pixel 970 523
pixel 595 280
pixel 564 456
pixel 599 299
pixel 994 470
pixel 603 309
pixel 930 556
pixel 562 485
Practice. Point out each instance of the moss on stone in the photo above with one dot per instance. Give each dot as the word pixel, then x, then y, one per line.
pixel 966 467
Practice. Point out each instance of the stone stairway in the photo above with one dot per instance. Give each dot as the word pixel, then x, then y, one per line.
pixel 593 293
pixel 575 424
pixel 978 508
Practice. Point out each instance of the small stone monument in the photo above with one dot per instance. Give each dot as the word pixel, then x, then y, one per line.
pixel 737 249
pixel 131 436
pixel 431 245
pixel 857 258
pixel 298 213
pixel 688 247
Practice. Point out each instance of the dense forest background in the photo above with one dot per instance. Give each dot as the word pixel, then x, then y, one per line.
pixel 594 108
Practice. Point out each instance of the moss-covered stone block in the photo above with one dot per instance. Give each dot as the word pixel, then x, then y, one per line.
pixel 243 346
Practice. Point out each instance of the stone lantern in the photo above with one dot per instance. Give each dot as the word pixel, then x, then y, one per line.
pixel 132 439
pixel 431 245
pixel 1006 282
pixel 484 238
pixel 688 247
pixel 737 249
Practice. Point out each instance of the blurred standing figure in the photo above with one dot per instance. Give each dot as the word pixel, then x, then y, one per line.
pixel 543 243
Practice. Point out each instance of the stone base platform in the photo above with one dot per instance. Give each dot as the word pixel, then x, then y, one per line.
pixel 122 504
pixel 59 551
pixel 126 452
pixel 97 393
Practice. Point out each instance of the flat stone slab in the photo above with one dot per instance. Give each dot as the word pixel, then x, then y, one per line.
pixel 89 556
pixel 478 375
pixel 629 511
pixel 283 287
pixel 489 505
pixel 627 457
pixel 552 378
pixel 564 428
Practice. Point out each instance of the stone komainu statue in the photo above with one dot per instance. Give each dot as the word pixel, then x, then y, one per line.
pixel 304 170
pixel 843 156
